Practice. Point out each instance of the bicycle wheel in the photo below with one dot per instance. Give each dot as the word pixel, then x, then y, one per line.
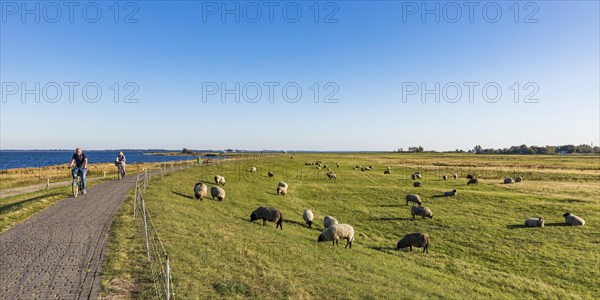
pixel 75 187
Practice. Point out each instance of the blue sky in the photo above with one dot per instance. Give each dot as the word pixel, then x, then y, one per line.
pixel 364 58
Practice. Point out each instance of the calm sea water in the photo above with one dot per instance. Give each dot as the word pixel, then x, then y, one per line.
pixel 41 158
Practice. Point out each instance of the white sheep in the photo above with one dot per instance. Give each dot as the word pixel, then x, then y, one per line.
pixel 219 180
pixel 308 217
pixel 415 199
pixel 200 190
pixel 217 192
pixel 332 175
pixel 336 232
pixel 328 221
pixel 573 220
pixel 421 211
pixel 535 222
pixel 253 169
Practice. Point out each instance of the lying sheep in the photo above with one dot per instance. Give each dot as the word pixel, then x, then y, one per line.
pixel 421 211
pixel 535 222
pixel 253 170
pixel 415 199
pixel 336 232
pixel 518 179
pixel 450 193
pixel 417 184
pixel 455 176
pixel 200 190
pixel 387 171
pixel 219 180
pixel 332 175
pixel 573 219
pixel 308 217
pixel 445 177
pixel 416 176
pixel 472 181
pixel 508 180
pixel 270 174
pixel 217 192
pixel 469 176
pixel 267 213
pixel 414 240
pixel 328 221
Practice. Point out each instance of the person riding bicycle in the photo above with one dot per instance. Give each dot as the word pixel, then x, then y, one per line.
pixel 80 163
pixel 120 162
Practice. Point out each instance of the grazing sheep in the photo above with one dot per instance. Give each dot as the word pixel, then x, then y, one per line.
pixel 445 177
pixel 357 167
pixel 200 190
pixel 318 167
pixel 421 211
pixel 308 217
pixel 415 199
pixel 332 175
pixel 535 222
pixel 337 165
pixel 472 181
pixel 450 193
pixel 308 164
pixel 270 174
pixel 469 176
pixel 362 169
pixel 387 171
pixel 455 176
pixel 217 192
pixel 282 188
pixel 291 157
pixel 573 219
pixel 328 221
pixel 336 232
pixel 518 179
pixel 219 180
pixel 508 180
pixel 267 213
pixel 417 184
pixel 253 170
pixel 414 240
pixel 416 176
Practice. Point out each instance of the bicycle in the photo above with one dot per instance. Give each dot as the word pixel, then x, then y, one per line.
pixel 77 185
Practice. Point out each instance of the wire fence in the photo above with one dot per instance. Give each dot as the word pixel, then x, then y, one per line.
pixel 157 256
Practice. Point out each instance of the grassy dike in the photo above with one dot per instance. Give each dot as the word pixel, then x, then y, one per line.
pixel 479 248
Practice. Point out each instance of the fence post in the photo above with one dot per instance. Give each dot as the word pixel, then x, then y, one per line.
pixel 162 174
pixel 47 182
pixel 103 173
pixel 167 277
pixel 145 228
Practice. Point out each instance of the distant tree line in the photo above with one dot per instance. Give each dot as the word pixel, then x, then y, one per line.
pixel 524 149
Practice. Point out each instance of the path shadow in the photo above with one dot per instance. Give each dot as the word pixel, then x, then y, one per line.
pixel 561 224
pixel 386 205
pixel 389 219
pixel 438 196
pixel 383 249
pixel 19 204
pixel 183 195
pixel 515 226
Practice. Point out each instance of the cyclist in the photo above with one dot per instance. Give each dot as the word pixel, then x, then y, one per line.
pixel 120 162
pixel 79 162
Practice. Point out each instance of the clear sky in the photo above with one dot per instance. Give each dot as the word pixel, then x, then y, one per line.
pixel 375 65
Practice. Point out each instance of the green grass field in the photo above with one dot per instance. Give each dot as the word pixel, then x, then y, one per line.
pixel 479 248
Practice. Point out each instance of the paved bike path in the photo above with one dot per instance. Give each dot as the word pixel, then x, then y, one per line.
pixel 58 253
